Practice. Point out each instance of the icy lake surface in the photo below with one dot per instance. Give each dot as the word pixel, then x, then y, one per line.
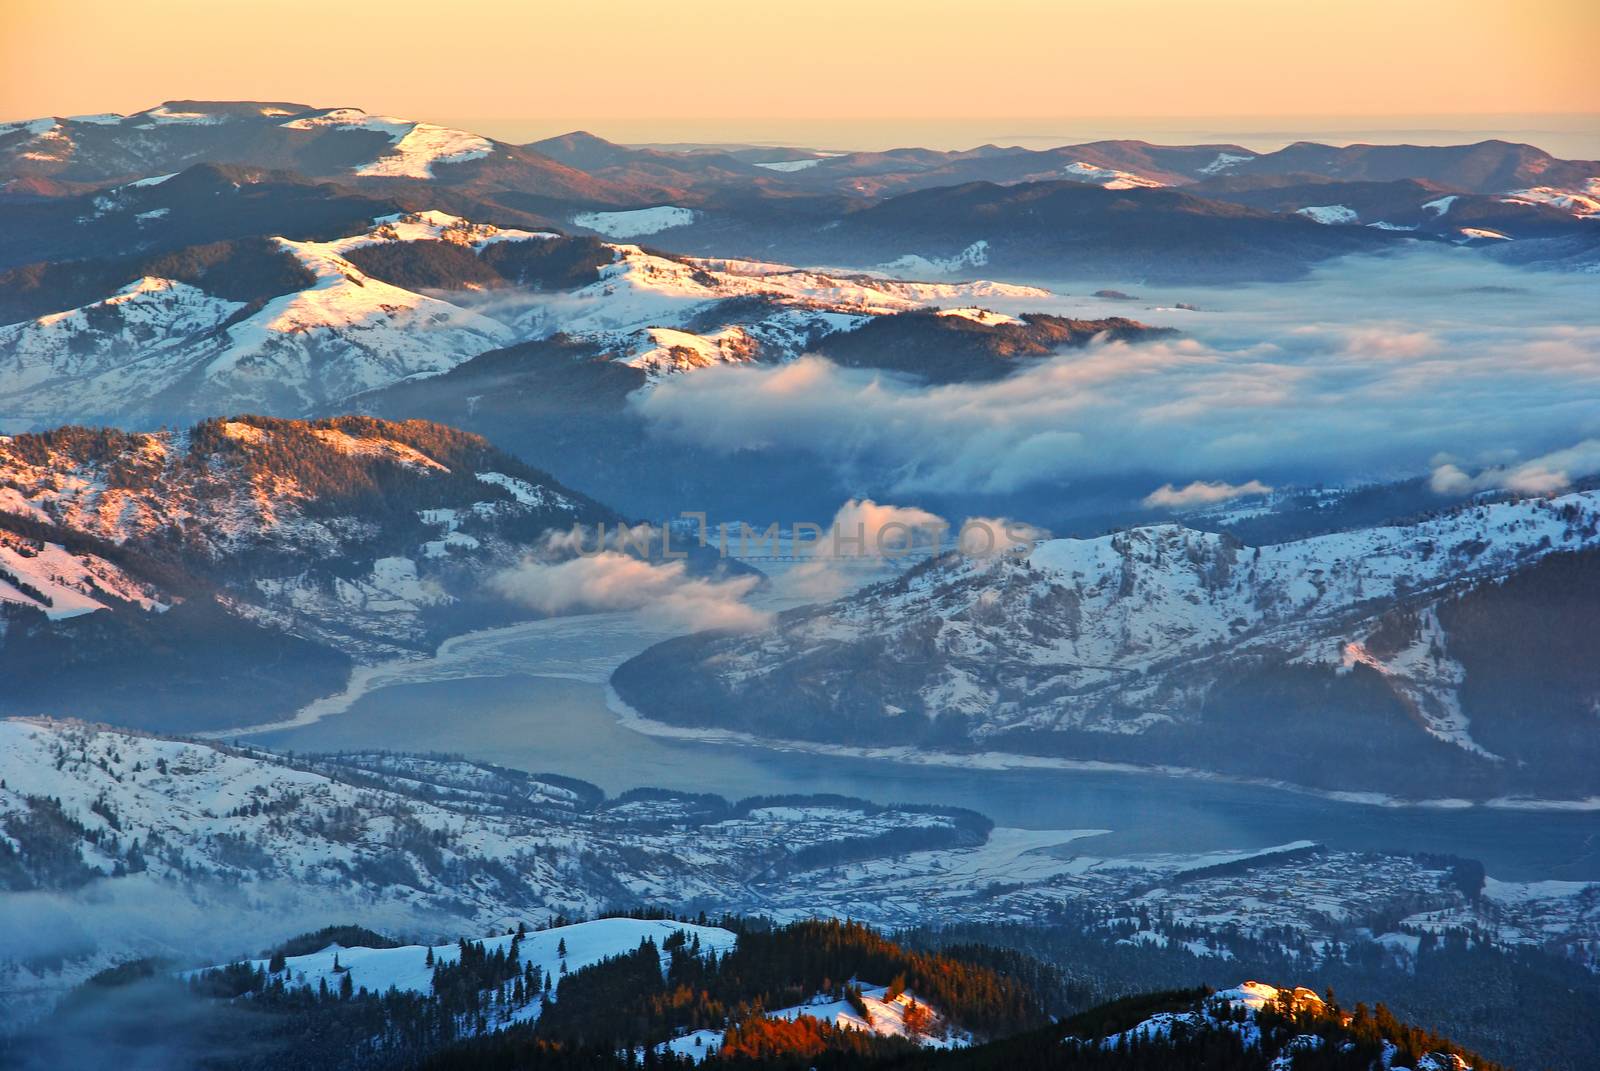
pixel 533 697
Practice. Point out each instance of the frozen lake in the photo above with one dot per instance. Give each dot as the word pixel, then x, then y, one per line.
pixel 533 697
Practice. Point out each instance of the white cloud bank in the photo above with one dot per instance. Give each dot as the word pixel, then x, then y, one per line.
pixel 1202 493
pixel 1542 475
pixel 1369 369
pixel 662 591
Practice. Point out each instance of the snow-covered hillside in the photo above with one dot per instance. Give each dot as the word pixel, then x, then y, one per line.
pixel 552 953
pixel 1120 635
pixel 247 847
pixel 893 1015
pixel 1329 214
pixel 269 519
pixel 1108 177
pixel 86 147
pixel 641 290
pixel 414 148
pixel 417 845
pixel 163 345
pixel 1233 1010
pixel 48 577
pixel 1291 1027
pixel 158 348
pixel 635 222
pixel 1583 202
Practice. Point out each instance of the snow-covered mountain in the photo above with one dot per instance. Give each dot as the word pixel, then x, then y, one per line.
pixel 164 559
pixel 159 347
pixel 65 154
pixel 293 327
pixel 774 309
pixel 1166 644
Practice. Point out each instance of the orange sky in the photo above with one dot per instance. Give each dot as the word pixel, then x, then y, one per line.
pixel 826 58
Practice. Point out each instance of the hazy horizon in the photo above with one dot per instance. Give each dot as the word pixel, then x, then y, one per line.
pixel 1568 135
pixel 914 62
pixel 1574 135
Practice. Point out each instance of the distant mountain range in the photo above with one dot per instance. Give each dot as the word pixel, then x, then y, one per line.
pixel 810 206
pixel 534 338
pixel 203 258
pixel 55 155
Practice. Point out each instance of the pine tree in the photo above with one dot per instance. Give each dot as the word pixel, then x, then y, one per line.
pixel 429 961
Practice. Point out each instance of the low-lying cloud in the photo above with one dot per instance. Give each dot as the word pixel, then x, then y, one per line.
pixel 1202 493
pixel 1369 369
pixel 867 533
pixel 866 529
pixel 662 591
pixel 1543 475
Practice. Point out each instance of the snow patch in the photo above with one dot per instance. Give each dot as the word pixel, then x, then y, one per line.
pixel 635 222
pixel 1329 214
pixel 1108 178
pixel 901 1016
pixel 414 148
pixel 975 255
pixel 1581 203
pixel 791 165
pixel 987 317
pixel 1225 161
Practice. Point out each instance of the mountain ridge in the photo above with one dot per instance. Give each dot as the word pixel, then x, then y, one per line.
pixel 1163 645
pixel 135 564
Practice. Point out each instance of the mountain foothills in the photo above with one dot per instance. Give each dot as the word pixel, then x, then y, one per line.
pixel 149 574
pixel 1440 657
pixel 99 822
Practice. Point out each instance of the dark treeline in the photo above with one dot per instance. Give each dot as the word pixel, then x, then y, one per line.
pixel 614 1013
pixel 627 998
pixel 1522 1006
